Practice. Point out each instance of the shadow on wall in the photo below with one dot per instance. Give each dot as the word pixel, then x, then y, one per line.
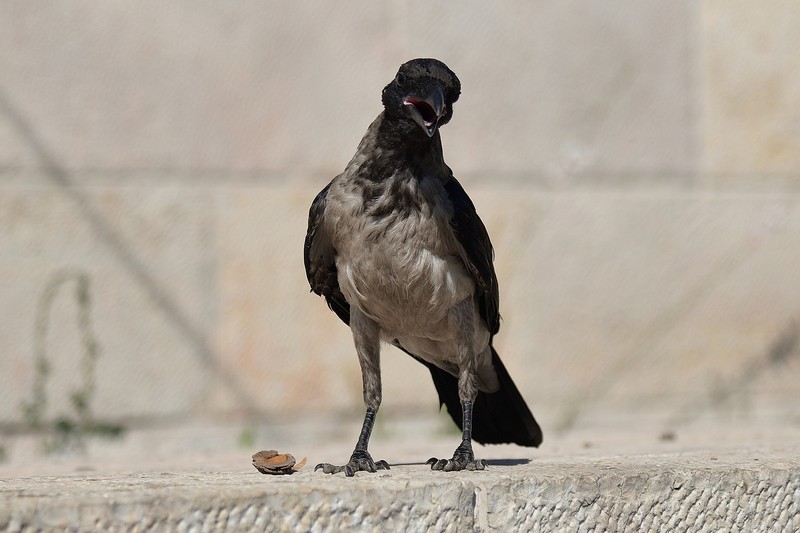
pixel 785 347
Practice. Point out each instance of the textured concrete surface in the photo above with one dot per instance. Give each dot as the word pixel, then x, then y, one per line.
pixel 730 480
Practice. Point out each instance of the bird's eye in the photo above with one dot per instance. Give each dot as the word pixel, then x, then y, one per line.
pixel 400 79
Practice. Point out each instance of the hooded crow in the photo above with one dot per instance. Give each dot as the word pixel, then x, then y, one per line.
pixel 397 250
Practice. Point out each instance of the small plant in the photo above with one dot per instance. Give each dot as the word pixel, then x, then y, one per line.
pixel 247 437
pixel 66 432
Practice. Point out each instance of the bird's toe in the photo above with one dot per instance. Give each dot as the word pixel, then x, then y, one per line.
pixel 359 462
pixel 437 464
pixel 457 463
pixel 366 465
pixel 478 464
pixel 328 468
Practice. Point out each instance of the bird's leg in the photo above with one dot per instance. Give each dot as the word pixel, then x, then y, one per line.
pixel 462 319
pixel 366 335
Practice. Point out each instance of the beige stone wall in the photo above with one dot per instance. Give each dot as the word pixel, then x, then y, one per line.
pixel 749 89
pixel 636 165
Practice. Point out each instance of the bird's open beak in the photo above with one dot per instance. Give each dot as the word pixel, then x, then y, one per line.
pixel 427 112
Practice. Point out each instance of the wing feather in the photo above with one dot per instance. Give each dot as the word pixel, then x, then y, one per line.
pixel 478 253
pixel 320 260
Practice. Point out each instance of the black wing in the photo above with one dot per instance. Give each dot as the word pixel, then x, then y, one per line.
pixel 320 260
pixel 474 239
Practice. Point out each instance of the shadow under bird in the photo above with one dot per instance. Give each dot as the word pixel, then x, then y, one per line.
pixel 397 250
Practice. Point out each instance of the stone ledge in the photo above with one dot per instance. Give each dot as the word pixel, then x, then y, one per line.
pixel 685 491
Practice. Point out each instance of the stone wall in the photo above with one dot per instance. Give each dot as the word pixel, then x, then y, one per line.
pixel 637 165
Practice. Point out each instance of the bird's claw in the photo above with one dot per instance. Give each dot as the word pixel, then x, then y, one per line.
pixel 460 461
pixel 359 461
pixel 463 459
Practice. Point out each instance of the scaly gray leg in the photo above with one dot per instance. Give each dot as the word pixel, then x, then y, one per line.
pixel 462 319
pixel 366 336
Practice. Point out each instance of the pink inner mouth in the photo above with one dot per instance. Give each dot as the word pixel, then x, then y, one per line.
pixel 424 108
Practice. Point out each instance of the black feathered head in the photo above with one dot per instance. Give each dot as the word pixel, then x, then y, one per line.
pixel 422 92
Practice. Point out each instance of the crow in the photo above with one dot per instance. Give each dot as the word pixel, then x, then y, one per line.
pixel 397 250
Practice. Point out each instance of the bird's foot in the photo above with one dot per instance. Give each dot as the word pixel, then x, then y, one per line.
pixel 359 461
pixel 463 459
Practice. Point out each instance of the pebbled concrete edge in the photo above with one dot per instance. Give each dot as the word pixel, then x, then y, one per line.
pixel 639 501
pixel 615 499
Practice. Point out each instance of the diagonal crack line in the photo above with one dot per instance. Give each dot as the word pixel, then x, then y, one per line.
pixel 60 176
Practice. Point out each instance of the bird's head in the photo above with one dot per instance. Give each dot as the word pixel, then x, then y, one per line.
pixel 422 93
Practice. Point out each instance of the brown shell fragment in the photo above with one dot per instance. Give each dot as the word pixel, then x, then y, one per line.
pixel 272 462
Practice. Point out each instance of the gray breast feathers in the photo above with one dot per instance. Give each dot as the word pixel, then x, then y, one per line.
pixel 400 264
